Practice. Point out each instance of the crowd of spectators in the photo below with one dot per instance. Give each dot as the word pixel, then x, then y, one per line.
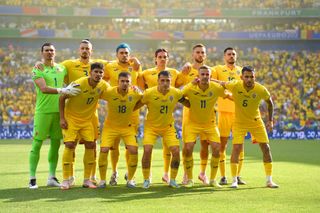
pixel 123 26
pixel 291 77
pixel 178 4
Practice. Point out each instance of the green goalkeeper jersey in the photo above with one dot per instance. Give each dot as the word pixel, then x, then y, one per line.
pixel 54 76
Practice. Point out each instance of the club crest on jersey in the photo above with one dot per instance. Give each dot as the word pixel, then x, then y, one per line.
pixel 210 94
pixel 171 98
pixel 238 72
pixel 130 98
pixel 254 95
pixel 98 90
pixel 130 69
pixel 59 69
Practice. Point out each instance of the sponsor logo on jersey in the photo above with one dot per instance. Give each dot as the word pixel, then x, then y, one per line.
pixel 171 98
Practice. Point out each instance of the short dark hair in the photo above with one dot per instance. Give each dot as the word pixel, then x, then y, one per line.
pixel 164 73
pixel 228 48
pixel 198 45
pixel 123 45
pixel 47 44
pixel 160 50
pixel 124 74
pixel 96 65
pixel 247 68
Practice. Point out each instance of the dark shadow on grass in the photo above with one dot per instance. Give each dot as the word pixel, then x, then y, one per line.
pixel 113 194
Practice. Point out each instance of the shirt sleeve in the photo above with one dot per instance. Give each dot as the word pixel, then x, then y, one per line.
pixel 214 74
pixel 231 84
pixel 265 94
pixel 36 74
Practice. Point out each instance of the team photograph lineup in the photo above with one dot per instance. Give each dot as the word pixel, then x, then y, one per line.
pixel 216 99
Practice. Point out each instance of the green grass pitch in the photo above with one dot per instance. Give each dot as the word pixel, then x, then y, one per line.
pixel 296 170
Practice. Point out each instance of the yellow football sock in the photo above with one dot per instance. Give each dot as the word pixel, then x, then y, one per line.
pixel 214 167
pixel 174 168
pixel 132 165
pixel 103 165
pixel 234 169
pixel 114 158
pixel 88 160
pixel 94 165
pixel 72 164
pixel 166 158
pixel 222 164
pixel 241 159
pixel 66 162
pixel 188 162
pixel 203 165
pixel 127 158
pixel 146 173
pixel 268 168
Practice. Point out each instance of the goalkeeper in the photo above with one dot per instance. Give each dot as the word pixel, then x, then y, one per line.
pixel 48 85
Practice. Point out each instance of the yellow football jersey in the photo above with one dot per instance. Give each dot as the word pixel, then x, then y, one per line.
pixel 113 69
pixel 150 76
pixel 224 73
pixel 160 107
pixel 247 112
pixel 77 69
pixel 83 106
pixel 185 79
pixel 120 108
pixel 202 102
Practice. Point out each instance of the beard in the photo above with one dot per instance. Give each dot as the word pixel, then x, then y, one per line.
pixel 199 61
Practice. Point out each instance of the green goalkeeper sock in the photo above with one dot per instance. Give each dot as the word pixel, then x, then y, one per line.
pixel 34 157
pixel 53 156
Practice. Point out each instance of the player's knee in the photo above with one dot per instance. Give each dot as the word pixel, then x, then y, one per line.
pixel 89 145
pixel 175 151
pixel 104 149
pixel 216 150
pixel 188 148
pixel 133 150
pixel 70 145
